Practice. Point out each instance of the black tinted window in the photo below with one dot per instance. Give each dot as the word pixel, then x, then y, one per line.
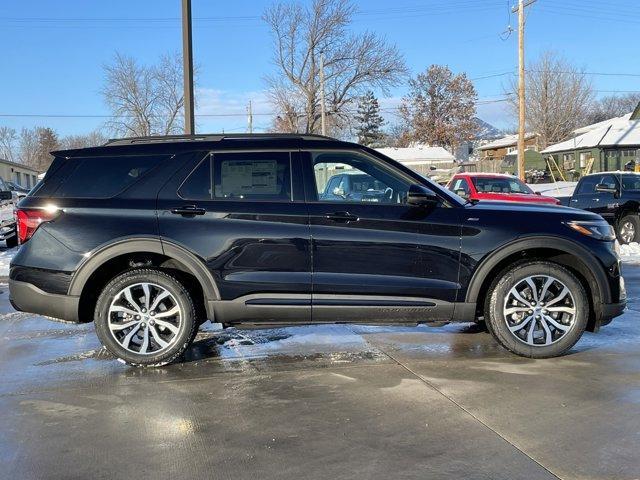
pixel 103 177
pixel 252 176
pixel 588 185
pixel 198 185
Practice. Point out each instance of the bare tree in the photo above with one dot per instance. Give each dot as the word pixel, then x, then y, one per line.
pixel 612 106
pixel 558 95
pixel 440 108
pixel 353 63
pixel 8 143
pixel 144 100
pixel 91 139
pixel 28 146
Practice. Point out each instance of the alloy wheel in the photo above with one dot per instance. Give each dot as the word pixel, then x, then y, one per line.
pixel 539 310
pixel 145 318
pixel 627 232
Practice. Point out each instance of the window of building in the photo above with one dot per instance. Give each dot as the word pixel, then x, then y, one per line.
pixel 568 162
pixel 585 157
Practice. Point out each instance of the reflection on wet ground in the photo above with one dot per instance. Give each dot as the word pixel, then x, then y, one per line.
pixel 350 401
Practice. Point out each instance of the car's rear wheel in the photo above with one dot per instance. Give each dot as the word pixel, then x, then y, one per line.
pixel 145 317
pixel 628 229
pixel 537 309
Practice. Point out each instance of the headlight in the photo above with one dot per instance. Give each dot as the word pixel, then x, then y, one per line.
pixel 594 229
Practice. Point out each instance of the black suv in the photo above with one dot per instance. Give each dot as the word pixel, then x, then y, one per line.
pixel 150 237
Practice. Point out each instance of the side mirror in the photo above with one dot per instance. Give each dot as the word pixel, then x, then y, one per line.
pixel 603 188
pixel 6 195
pixel 537 193
pixel 419 196
pixel 338 192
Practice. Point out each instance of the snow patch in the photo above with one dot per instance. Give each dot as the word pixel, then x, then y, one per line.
pixel 6 255
pixel 557 189
pixel 630 253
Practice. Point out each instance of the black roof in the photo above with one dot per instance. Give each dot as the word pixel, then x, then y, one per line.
pixel 179 143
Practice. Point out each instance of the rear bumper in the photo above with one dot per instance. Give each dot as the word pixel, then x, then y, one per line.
pixel 26 297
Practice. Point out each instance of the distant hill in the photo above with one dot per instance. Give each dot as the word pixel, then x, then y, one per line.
pixel 486 131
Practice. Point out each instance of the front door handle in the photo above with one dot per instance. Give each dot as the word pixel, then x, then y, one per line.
pixel 341 217
pixel 596 199
pixel 188 211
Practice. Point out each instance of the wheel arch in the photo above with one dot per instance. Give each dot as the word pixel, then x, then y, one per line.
pixel 560 250
pixel 120 254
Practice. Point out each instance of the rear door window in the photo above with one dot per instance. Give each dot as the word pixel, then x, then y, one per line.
pixel 246 176
pixel 104 177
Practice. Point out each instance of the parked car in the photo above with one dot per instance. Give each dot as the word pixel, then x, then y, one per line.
pixel 8 200
pixel 613 195
pixel 19 190
pixel 495 186
pixel 150 237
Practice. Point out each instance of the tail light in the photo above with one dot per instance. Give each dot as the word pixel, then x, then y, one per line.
pixel 29 219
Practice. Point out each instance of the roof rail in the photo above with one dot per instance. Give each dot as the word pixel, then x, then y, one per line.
pixel 213 137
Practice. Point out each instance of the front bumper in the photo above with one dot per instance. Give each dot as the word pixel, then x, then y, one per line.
pixel 26 297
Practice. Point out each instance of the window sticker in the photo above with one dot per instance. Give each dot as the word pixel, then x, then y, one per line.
pixel 240 177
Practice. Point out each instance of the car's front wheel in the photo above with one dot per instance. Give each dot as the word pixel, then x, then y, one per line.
pixel 537 309
pixel 628 229
pixel 145 317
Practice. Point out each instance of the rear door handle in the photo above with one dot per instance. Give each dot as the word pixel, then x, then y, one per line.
pixel 341 217
pixel 188 210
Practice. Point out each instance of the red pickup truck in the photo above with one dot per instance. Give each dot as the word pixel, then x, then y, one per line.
pixel 496 186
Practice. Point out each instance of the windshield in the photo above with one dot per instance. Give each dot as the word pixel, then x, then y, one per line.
pixel 630 182
pixel 500 185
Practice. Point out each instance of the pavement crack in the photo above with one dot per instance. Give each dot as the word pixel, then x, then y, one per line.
pixel 464 409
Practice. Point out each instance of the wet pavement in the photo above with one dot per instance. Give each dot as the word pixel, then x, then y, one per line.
pixel 310 402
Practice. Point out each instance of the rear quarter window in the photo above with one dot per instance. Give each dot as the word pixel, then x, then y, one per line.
pixel 103 177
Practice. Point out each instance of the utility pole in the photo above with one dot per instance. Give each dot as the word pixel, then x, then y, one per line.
pixel 250 117
pixel 322 107
pixel 187 59
pixel 521 87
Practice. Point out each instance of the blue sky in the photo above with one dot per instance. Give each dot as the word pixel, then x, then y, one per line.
pixel 54 50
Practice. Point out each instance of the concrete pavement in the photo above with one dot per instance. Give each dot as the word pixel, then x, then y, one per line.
pixel 320 402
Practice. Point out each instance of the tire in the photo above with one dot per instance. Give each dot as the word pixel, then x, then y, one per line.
pixel 504 313
pixel 12 241
pixel 152 340
pixel 628 229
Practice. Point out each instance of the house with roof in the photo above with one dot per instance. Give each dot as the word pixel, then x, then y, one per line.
pixel 501 155
pixel 423 159
pixel 604 146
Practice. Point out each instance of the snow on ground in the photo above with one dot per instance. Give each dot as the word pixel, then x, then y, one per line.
pixel 6 254
pixel 557 189
pixel 630 253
